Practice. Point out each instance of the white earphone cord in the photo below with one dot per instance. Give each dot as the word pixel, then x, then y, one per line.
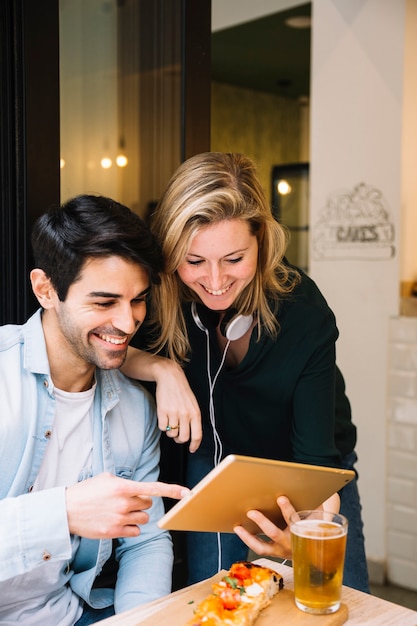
pixel 218 448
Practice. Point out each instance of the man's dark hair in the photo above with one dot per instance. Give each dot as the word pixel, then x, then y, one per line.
pixel 86 227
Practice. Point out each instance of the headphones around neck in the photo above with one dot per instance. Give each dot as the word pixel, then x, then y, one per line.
pixel 232 326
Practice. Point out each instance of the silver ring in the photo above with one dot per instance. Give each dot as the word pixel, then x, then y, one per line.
pixel 168 428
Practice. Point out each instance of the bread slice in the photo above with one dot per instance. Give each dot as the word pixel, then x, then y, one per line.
pixel 239 597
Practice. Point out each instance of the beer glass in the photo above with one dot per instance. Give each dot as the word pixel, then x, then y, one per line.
pixel 318 545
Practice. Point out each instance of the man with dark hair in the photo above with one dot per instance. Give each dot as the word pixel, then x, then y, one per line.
pixel 79 443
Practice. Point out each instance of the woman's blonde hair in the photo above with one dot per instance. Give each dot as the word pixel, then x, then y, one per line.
pixel 206 189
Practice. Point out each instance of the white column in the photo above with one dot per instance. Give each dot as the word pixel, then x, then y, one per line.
pixel 356 149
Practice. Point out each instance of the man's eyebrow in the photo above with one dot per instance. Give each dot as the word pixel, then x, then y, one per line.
pixel 108 294
pixel 103 294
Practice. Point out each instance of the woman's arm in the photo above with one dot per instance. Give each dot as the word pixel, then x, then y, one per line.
pixel 176 404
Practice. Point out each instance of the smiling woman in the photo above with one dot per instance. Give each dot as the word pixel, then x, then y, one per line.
pixel 203 203
pixel 268 391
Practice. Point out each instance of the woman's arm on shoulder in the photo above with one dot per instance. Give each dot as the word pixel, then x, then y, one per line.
pixel 176 404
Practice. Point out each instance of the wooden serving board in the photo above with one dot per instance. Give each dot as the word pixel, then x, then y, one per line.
pixel 282 610
pixel 178 608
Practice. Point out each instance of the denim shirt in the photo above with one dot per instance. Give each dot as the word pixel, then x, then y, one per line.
pixel 34 527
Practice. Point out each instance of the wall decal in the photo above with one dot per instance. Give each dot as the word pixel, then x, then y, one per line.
pixel 354 225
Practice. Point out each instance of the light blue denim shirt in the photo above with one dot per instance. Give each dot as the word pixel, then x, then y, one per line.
pixel 33 525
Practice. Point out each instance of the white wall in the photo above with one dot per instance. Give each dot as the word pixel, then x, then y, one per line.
pixel 409 155
pixel 356 131
pixel 402 454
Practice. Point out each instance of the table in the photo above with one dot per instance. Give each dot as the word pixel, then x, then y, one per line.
pixel 363 608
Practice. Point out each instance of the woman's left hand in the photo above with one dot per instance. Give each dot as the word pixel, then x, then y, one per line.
pixel 279 541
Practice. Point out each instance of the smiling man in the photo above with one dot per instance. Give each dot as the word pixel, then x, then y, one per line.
pixel 79 443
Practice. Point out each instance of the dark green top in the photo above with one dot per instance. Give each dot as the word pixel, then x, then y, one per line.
pixel 279 402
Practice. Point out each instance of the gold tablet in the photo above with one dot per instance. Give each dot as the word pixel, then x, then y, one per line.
pixel 240 483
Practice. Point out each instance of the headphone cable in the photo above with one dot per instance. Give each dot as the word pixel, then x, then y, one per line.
pixel 218 447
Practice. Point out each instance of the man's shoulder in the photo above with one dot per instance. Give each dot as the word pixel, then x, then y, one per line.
pixel 124 381
pixel 114 379
pixel 10 335
pixel 126 399
pixel 14 335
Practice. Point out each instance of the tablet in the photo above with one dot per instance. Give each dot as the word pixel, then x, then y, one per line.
pixel 240 483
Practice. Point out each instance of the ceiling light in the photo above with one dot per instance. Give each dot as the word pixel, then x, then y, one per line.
pixel 299 21
pixel 121 160
pixel 283 187
pixel 106 163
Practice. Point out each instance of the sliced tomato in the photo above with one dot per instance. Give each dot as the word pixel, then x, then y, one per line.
pixel 240 571
pixel 230 597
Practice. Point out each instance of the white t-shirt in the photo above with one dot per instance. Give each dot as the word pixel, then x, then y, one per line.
pixel 69 450
pixel 43 596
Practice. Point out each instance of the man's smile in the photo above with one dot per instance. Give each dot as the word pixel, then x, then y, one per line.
pixel 118 341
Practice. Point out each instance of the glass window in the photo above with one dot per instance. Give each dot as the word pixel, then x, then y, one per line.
pixel 120 98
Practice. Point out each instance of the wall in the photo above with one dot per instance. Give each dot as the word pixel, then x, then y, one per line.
pixel 266 127
pixel 401 503
pixel 409 151
pixel 402 453
pixel 356 191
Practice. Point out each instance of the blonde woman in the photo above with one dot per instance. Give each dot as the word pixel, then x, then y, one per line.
pixel 255 339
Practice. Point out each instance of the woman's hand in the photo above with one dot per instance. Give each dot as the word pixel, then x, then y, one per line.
pixel 278 542
pixel 332 504
pixel 176 406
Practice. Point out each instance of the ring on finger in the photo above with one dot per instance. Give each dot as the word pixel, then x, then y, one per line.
pixel 168 428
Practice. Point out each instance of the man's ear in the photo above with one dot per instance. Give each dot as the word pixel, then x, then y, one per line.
pixel 43 289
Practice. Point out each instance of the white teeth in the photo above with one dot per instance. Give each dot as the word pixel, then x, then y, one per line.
pixel 117 342
pixel 217 292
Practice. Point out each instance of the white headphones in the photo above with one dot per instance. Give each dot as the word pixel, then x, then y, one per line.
pixel 232 326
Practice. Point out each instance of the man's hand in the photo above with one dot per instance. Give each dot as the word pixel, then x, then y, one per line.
pixel 106 507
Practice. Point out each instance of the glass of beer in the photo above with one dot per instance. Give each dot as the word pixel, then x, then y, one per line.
pixel 318 547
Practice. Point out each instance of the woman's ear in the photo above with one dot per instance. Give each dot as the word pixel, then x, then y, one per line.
pixel 43 289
